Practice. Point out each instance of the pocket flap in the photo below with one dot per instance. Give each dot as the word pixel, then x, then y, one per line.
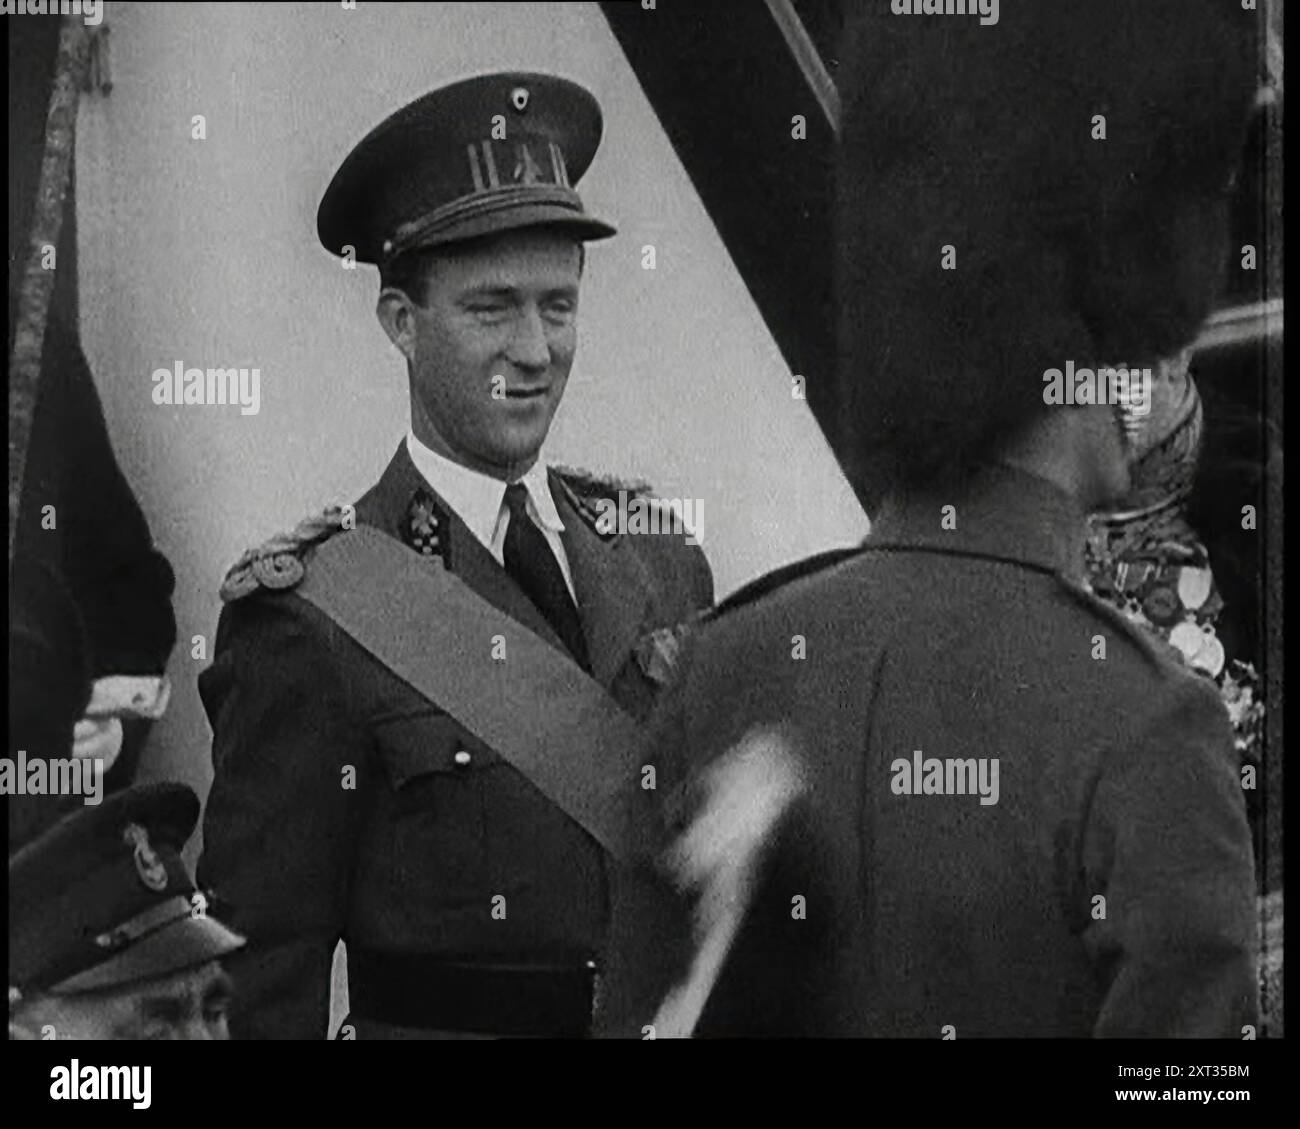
pixel 429 742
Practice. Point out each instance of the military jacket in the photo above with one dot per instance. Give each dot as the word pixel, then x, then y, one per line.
pixel 436 825
pixel 1103 888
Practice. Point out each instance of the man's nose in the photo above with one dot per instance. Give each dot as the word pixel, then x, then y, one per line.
pixel 529 348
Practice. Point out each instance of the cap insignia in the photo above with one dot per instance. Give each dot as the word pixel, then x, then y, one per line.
pixel 147 862
pixel 526 170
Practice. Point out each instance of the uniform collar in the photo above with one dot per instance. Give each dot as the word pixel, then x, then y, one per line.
pixel 476 497
pixel 999 512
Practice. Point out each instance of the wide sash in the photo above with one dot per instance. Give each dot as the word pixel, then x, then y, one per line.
pixel 526 700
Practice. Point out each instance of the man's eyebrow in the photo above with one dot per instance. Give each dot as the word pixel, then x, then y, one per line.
pixel 486 291
pixel 565 290
pixel 175 1007
pixel 170 1009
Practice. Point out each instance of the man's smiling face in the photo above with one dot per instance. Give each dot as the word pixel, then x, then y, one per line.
pixel 490 348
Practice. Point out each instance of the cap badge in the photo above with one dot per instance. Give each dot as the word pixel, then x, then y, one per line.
pixel 519 98
pixel 147 863
pixel 526 170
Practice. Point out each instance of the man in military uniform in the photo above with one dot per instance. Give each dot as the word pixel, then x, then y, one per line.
pixel 423 704
pixel 108 937
pixel 956 794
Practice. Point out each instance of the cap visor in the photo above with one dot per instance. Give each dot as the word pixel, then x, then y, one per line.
pixel 187 943
pixel 581 226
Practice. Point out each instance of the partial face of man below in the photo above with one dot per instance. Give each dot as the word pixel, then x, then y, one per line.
pixel 190 1004
pixel 490 347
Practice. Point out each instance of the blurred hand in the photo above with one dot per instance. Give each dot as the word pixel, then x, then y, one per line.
pixel 744 793
pixel 97 738
pixel 130 695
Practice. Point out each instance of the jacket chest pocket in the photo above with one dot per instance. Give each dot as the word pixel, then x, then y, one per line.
pixel 431 761
pixel 431 830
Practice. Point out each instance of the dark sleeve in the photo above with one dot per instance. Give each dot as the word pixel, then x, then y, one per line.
pixel 649 945
pixel 1167 844
pixel 49 684
pixel 279 828
pixel 121 582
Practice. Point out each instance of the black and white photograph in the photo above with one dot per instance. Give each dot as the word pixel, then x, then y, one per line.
pixel 754 521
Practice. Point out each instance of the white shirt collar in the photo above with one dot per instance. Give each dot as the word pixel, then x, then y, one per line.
pixel 479 498
pixel 542 505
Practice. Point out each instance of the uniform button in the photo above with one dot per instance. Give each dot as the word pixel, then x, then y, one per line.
pixel 462 758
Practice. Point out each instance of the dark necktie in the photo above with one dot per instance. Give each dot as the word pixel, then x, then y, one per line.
pixel 532 564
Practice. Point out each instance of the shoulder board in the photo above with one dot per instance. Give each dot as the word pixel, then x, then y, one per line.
pixel 773 581
pixel 278 564
pixel 590 491
pixel 588 485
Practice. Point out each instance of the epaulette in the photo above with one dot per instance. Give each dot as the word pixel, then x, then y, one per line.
pixel 588 489
pixel 774 581
pixel 278 564
pixel 588 485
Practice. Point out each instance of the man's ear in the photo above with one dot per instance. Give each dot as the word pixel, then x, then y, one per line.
pixel 396 313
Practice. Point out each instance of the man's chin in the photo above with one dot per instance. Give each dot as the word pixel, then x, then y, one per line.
pixel 512 459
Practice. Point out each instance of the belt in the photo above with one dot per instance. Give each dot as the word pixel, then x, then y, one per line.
pixel 437 993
